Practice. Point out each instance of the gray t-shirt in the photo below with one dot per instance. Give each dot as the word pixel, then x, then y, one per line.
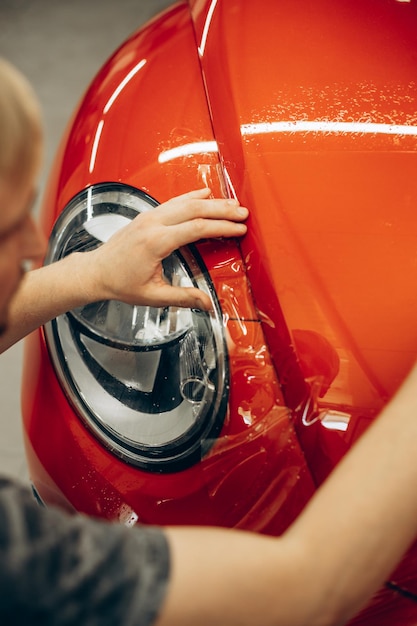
pixel 71 570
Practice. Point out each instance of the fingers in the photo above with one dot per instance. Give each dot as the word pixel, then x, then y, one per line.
pixel 192 231
pixel 204 192
pixel 193 216
pixel 196 205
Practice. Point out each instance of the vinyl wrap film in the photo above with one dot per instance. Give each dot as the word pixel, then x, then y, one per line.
pixel 306 112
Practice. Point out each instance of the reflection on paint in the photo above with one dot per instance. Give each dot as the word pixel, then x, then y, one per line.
pixel 335 420
pixel 123 84
pixel 188 149
pixel 107 107
pixel 95 145
pixel 206 28
pixel 304 126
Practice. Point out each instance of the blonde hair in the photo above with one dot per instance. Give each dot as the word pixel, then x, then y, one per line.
pixel 20 125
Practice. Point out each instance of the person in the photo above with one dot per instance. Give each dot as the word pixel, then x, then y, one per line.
pixel 61 569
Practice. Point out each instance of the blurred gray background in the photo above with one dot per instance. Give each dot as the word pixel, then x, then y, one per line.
pixel 59 45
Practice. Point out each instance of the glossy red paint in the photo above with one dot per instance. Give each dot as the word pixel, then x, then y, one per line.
pixel 252 473
pixel 309 104
pixel 307 113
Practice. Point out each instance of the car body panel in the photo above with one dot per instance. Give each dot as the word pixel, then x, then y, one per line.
pixel 314 111
pixel 146 151
pixel 306 112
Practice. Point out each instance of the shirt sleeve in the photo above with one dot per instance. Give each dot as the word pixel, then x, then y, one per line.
pixel 70 570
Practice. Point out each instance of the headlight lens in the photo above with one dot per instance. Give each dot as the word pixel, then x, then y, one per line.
pixel 152 384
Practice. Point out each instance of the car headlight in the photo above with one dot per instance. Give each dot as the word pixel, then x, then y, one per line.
pixel 152 384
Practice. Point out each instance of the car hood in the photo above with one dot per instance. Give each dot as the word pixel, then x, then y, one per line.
pixel 313 107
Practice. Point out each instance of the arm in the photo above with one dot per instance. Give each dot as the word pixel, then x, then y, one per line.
pixel 105 273
pixel 327 565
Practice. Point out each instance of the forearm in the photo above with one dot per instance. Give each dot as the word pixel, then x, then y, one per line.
pixel 364 518
pixel 45 293
pixel 334 557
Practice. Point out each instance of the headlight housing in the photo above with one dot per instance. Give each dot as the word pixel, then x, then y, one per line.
pixel 151 384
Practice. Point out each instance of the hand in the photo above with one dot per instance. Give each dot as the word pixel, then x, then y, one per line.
pixel 128 267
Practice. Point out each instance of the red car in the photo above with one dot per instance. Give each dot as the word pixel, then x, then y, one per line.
pixel 307 112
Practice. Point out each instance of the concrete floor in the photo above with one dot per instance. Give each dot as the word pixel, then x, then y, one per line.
pixel 59 46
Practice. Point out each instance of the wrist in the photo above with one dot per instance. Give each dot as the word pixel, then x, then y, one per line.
pixel 85 272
